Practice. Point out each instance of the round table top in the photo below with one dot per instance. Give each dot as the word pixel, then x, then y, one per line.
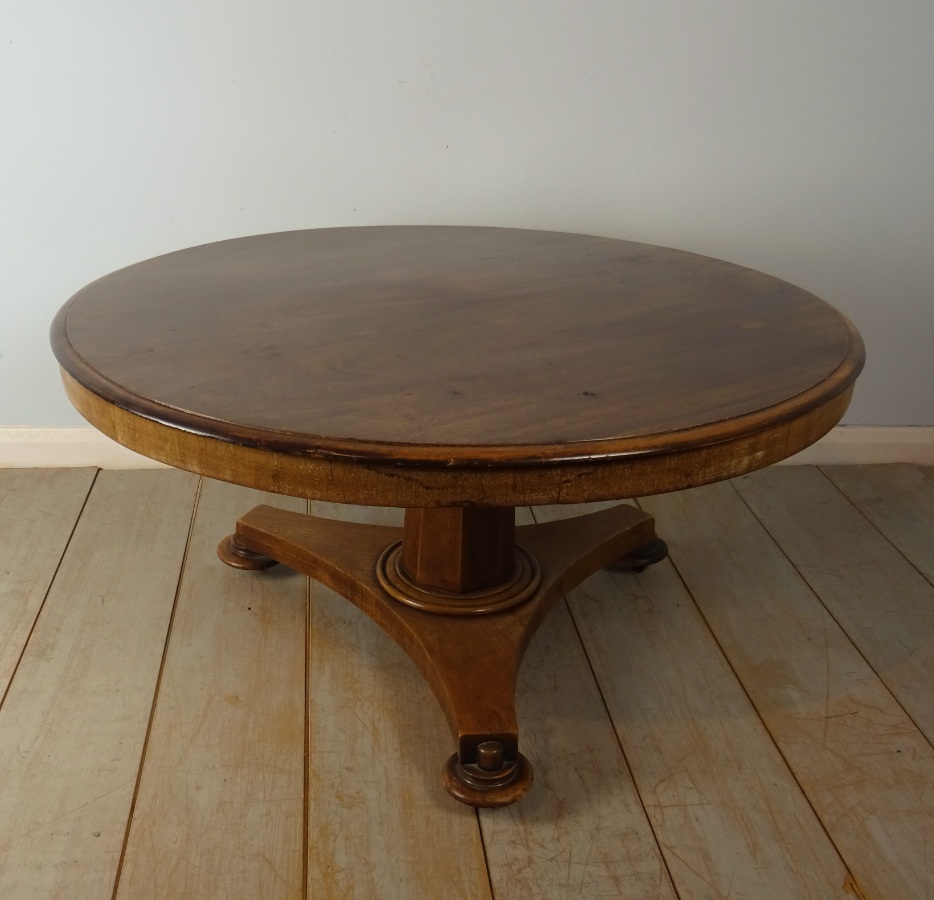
pixel 453 346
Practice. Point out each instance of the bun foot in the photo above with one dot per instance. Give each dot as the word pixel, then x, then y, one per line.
pixel 640 558
pixel 476 785
pixel 239 557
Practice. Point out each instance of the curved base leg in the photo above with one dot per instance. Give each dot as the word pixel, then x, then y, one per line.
pixel 471 661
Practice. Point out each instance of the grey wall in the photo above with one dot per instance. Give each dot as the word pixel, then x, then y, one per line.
pixel 790 136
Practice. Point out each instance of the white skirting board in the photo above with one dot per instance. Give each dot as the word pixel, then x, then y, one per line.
pixel 52 448
pixel 67 447
pixel 866 445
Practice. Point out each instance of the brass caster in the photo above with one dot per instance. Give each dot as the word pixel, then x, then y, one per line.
pixel 230 551
pixel 490 781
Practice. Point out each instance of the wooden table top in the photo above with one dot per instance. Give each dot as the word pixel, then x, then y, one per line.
pixel 451 346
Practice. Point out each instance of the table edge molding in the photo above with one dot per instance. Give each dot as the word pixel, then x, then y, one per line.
pixel 502 483
pixel 432 455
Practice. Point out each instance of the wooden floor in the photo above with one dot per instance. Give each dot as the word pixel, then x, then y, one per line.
pixel 752 719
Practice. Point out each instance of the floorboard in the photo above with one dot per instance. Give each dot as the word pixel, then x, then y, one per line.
pixel 863 764
pixel 899 501
pixel 379 822
pixel 73 723
pixel 882 602
pixel 581 831
pixel 220 807
pixel 38 512
pixel 730 818
pixel 733 723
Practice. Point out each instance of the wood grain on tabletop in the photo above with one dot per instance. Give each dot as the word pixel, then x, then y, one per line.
pixel 425 347
pixel 435 336
pixel 863 764
pixel 82 695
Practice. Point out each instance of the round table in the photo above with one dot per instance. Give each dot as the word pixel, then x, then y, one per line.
pixel 458 373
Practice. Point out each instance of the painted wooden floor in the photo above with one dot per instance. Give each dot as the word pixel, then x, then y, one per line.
pixel 752 719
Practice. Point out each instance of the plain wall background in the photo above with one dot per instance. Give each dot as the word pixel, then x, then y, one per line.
pixel 790 136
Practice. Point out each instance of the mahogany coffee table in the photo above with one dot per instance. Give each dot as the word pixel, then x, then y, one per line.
pixel 459 373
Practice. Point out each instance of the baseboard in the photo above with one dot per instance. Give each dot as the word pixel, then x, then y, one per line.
pixel 866 445
pixel 33 448
pixel 54 448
